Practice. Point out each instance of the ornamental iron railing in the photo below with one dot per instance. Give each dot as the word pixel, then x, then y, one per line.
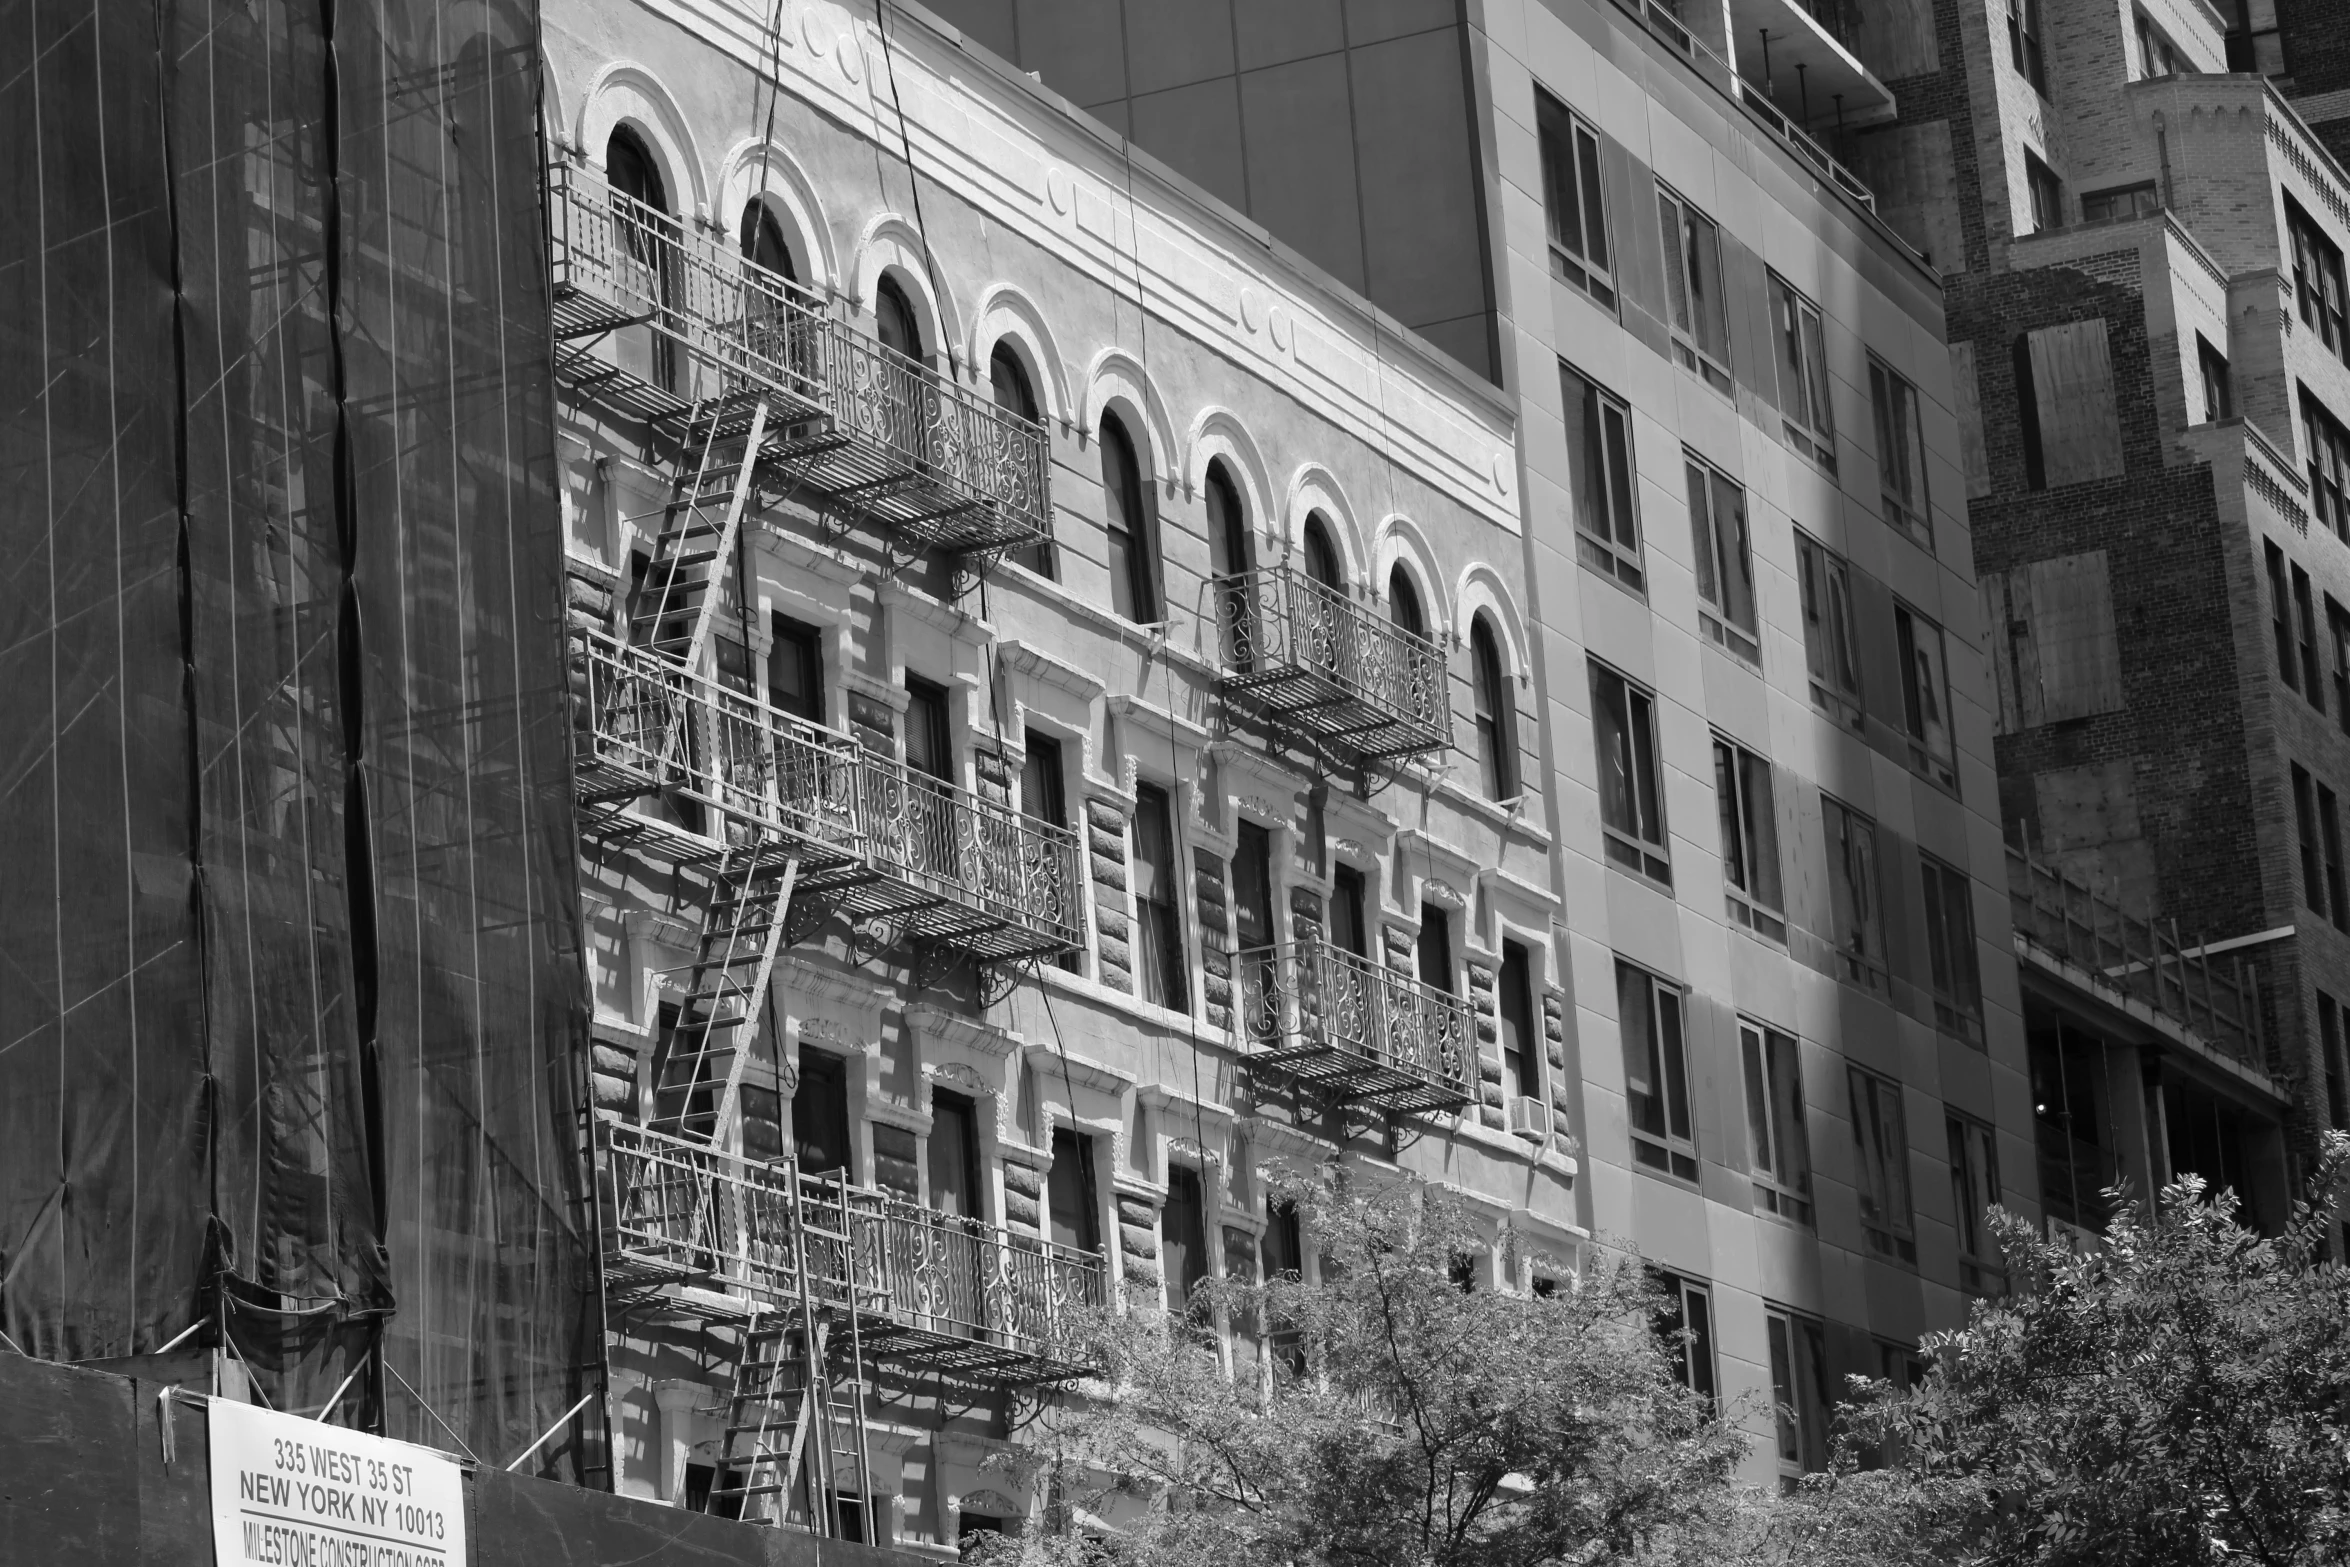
pixel 671 327
pixel 1311 658
pixel 1355 1029
pixel 957 868
pixel 730 1236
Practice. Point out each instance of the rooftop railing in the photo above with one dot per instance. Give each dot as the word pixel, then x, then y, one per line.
pixel 747 1235
pixel 2216 999
pixel 664 325
pixel 1311 657
pixel 1355 1028
pixel 960 869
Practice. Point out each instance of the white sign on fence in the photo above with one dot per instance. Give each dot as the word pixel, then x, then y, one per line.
pixel 288 1492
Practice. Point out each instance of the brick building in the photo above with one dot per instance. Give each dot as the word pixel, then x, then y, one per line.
pixel 2141 241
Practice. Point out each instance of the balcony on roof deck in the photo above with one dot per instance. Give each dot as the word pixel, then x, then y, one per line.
pixel 1310 659
pixel 674 329
pixel 1803 56
pixel 719 1236
pixel 1355 1029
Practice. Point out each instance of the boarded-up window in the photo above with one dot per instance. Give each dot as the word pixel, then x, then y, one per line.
pixel 2072 426
pixel 1968 397
pixel 2053 648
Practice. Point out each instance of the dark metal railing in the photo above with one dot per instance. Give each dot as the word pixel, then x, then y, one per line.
pixel 965 869
pixel 1312 657
pixel 2217 999
pixel 1355 1027
pixel 753 1234
pixel 678 318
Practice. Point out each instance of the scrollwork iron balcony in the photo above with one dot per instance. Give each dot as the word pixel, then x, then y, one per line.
pixel 1312 659
pixel 962 872
pixel 726 1235
pixel 665 325
pixel 1355 1029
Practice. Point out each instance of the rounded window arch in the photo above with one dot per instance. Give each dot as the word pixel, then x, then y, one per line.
pixel 1497 713
pixel 895 322
pixel 763 242
pixel 1322 559
pixel 1227 521
pixel 1404 609
pixel 1132 526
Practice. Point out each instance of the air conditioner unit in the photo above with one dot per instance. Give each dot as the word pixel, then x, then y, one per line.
pixel 1530 1118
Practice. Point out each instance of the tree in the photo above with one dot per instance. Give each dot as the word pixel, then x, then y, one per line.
pixel 2177 1396
pixel 1382 1415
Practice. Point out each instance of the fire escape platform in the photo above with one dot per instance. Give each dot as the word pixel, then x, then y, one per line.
pixel 1309 660
pixel 1355 1030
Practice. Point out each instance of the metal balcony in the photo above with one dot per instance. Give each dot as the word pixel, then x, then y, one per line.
pixel 1311 659
pixel 1356 1029
pixel 933 862
pixel 674 329
pixel 720 1236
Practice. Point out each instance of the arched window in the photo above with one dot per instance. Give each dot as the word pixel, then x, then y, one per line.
pixel 763 242
pixel 1497 758
pixel 1403 602
pixel 895 322
pixel 1133 555
pixel 1007 378
pixel 1321 554
pixel 1227 521
pixel 641 268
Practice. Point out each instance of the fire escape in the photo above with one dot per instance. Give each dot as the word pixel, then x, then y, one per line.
pixel 752 391
pixel 1314 667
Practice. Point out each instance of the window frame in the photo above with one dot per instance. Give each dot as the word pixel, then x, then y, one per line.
pixel 2152 66
pixel 1849 887
pixel 1830 640
pixel 1778 1136
pixel 2305 616
pixel 1881 1174
pixel 2328 461
pixel 2313 886
pixel 1660 1118
pixel 803 643
pixel 1801 331
pixel 2046 193
pixel 1688 1334
pixel 1517 1015
pixel 1899 415
pixel 2219 388
pixel 2280 616
pixel 1640 845
pixel 1974 1188
pixel 1494 710
pixel 1925 695
pixel 2338 631
pixel 1134 519
pixel 1797 1347
pixel 1725 560
pixel 1754 880
pixel 1696 308
pixel 1604 475
pixel 2026 50
pixel 2120 203
pixel 1953 965
pixel 1160 913
pixel 2329 832
pixel 1577 168
pixel 2320 293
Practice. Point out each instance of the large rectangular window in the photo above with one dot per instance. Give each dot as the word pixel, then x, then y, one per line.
pixel 1804 409
pixel 1521 1041
pixel 1925 696
pixel 2317 279
pixel 1776 1140
pixel 2305 611
pixel 820 1114
pixel 1693 283
pixel 1799 1387
pixel 1183 1237
pixel 1881 1139
pixel 1631 795
pixel 2047 193
pixel 1750 839
pixel 2023 43
pixel 2329 465
pixel 1725 561
pixel 1158 902
pixel 1072 1210
pixel 1950 948
pixel 1828 641
pixel 1686 1325
pixel 2329 827
pixel 1572 200
pixel 1656 1072
pixel 795 670
pixel 1901 452
pixel 1974 1191
pixel 2313 874
pixel 2338 634
pixel 2219 391
pixel 954 1156
pixel 2329 1042
pixel 1599 452
pixel 2280 617
pixel 1853 899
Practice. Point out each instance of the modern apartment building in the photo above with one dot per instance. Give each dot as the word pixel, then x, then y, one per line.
pixel 1767 713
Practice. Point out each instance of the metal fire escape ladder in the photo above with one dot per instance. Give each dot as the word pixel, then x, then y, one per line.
pixel 697 541
pixel 701 1071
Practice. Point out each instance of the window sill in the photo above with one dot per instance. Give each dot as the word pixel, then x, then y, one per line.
pixel 1699 363
pixel 1671 1177
pixel 1568 270
pixel 1639 861
pixel 1731 640
pixel 1754 918
pixel 1841 710
pixel 1820 449
pixel 1606 561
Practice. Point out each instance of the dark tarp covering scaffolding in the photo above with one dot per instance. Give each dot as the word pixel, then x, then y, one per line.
pixel 290 993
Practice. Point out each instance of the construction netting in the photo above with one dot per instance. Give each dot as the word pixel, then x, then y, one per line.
pixel 290 995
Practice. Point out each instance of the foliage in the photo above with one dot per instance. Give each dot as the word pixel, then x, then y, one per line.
pixel 1398 1420
pixel 2175 1397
